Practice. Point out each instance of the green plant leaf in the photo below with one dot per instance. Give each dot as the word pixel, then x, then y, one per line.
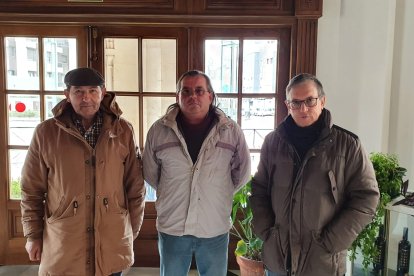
pixel 241 248
pixel 389 175
pixel 249 244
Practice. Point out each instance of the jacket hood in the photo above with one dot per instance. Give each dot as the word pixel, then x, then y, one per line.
pixel 108 105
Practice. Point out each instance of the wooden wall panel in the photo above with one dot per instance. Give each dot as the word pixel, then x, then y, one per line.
pixel 306 46
pixel 245 7
pixel 308 8
pixel 15 224
pixel 88 7
pixel 159 7
pixel 3 160
pixel 16 254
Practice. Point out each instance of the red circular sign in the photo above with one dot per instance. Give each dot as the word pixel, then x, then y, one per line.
pixel 20 107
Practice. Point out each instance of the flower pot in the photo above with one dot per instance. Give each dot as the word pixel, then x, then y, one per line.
pixel 250 267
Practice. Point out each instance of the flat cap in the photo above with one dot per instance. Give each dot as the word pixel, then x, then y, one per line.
pixel 84 77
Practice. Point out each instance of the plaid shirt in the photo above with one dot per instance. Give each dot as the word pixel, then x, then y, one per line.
pixel 91 135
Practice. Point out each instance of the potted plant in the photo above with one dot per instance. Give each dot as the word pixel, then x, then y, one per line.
pixel 389 176
pixel 248 251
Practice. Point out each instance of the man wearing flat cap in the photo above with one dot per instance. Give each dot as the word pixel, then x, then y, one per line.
pixel 82 187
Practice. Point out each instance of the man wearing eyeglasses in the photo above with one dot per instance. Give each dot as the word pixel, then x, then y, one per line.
pixel 196 158
pixel 315 188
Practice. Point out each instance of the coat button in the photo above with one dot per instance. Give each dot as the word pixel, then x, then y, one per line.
pixel 88 229
pixel 88 197
pixel 87 162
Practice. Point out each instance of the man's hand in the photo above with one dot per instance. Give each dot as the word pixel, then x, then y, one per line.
pixel 34 248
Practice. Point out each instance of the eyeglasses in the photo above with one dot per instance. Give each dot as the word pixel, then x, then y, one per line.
pixel 309 102
pixel 189 92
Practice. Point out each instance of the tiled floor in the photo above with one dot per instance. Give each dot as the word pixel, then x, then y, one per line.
pixel 31 270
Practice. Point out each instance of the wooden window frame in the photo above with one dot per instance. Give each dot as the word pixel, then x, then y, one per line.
pixel 11 241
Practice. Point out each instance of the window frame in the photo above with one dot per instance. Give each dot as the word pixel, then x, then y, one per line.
pixel 11 236
pixel 281 33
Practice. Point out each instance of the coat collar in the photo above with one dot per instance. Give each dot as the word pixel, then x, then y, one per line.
pixel 169 119
pixel 328 123
pixel 108 105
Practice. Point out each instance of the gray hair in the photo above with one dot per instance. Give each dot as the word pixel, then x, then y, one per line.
pixel 301 78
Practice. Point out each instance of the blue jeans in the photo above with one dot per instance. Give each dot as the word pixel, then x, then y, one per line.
pixel 116 274
pixel 270 273
pixel 176 253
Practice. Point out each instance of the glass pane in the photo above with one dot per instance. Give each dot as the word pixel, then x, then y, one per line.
pixel 51 101
pixel 257 120
pixel 154 108
pixel 121 64
pixel 16 158
pixel 255 158
pixel 229 106
pixel 130 111
pixel 259 66
pixel 221 64
pixel 59 56
pixel 22 63
pixel 159 65
pixel 23 116
pixel 151 193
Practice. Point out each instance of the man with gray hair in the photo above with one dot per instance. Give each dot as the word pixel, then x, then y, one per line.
pixel 314 190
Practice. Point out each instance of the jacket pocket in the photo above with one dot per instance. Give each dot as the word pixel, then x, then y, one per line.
pixel 112 206
pixel 114 235
pixel 65 239
pixel 334 186
pixel 64 210
pixel 318 261
pixel 272 252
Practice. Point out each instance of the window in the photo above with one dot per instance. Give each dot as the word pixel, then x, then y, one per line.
pixel 28 108
pixel 247 73
pixel 222 64
pixel 141 66
pixel 32 52
pixel 123 58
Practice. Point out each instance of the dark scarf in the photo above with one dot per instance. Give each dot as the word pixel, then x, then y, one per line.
pixel 303 138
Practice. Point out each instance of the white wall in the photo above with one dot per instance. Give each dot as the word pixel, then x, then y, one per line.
pixel 365 61
pixel 402 102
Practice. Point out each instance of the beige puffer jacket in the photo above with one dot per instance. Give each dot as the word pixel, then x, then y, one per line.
pixel 195 199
